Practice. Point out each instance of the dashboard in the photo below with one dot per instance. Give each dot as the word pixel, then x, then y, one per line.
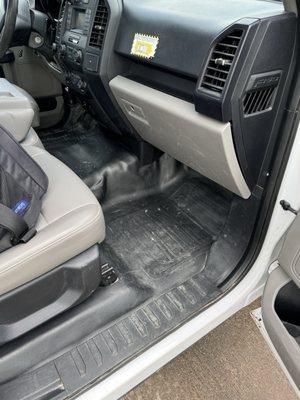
pixel 227 64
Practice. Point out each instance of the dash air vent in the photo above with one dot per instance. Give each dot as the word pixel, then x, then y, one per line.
pixel 221 61
pixel 99 25
pixel 261 92
pixel 258 101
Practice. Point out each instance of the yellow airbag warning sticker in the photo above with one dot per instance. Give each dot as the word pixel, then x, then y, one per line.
pixel 144 45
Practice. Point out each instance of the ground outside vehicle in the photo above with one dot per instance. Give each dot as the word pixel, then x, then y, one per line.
pixel 169 132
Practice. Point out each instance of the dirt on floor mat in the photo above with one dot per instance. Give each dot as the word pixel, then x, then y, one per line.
pixel 232 362
pixel 167 237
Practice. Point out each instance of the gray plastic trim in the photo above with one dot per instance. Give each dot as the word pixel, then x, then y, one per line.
pixel 286 346
pixel 289 257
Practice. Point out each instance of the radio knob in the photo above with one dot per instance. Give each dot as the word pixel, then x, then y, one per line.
pixel 63 49
pixel 78 56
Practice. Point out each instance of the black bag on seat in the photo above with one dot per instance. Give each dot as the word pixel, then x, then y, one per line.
pixel 22 185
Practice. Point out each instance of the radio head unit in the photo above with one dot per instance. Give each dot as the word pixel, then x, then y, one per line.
pixel 80 33
pixel 74 29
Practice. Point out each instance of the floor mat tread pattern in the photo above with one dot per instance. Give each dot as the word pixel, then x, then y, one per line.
pixel 167 232
pixel 101 352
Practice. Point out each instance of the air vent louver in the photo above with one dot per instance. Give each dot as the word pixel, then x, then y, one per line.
pixel 99 25
pixel 259 100
pixel 221 61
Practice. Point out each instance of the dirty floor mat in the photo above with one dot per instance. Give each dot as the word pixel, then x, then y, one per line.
pixel 166 238
pixel 87 151
pixel 112 173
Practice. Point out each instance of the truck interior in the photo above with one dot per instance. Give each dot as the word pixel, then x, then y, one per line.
pixel 160 125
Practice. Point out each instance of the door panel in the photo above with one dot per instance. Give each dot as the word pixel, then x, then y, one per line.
pixel 281 303
pixel 289 258
pixel 286 344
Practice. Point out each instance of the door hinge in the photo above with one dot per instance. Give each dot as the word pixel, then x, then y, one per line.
pixel 287 207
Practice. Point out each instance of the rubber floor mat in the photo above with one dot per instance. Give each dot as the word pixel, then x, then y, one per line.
pixel 112 172
pixel 173 239
pixel 166 237
pixel 160 245
pixel 85 152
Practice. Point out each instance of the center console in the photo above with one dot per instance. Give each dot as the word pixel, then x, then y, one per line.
pixel 79 39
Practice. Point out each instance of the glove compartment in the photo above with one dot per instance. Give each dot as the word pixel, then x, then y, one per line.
pixel 173 126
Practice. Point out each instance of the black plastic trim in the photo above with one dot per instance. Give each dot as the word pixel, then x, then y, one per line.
pixel 36 302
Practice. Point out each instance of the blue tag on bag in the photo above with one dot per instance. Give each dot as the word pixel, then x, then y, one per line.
pixel 21 207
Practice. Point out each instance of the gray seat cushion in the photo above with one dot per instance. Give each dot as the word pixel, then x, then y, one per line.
pixel 32 139
pixel 71 221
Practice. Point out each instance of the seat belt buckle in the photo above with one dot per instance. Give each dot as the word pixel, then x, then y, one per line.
pixel 108 275
pixel 24 238
pixel 28 235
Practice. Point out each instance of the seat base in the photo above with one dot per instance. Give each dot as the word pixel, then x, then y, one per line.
pixel 34 303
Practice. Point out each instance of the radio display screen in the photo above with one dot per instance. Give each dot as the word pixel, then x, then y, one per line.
pixel 78 19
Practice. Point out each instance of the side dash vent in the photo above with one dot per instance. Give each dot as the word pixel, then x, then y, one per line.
pixel 99 26
pixel 261 92
pixel 221 61
pixel 258 100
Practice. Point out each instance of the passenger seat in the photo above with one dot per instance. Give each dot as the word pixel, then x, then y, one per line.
pixel 60 266
pixel 71 222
